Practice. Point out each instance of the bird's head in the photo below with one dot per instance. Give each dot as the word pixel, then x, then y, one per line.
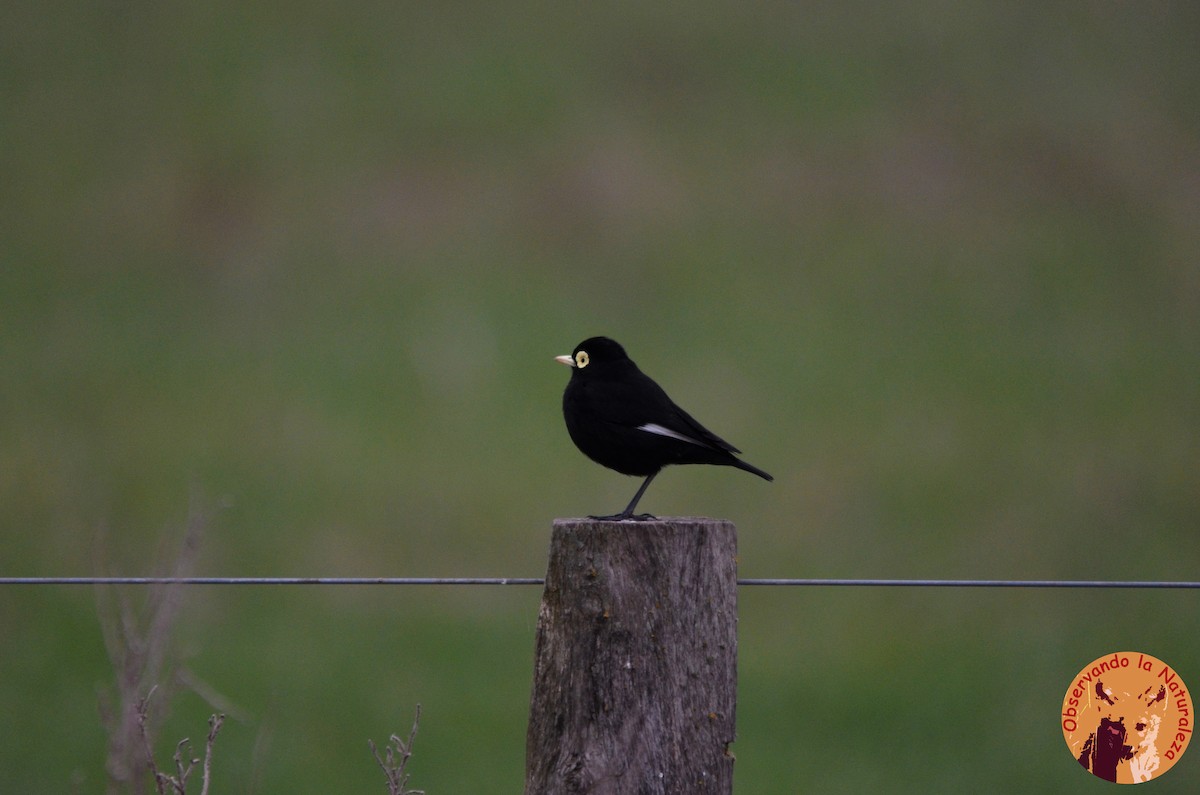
pixel 592 352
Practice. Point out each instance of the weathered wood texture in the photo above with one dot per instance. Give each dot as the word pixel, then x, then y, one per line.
pixel 635 674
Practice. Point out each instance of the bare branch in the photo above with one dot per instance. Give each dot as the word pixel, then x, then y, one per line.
pixel 214 698
pixel 214 726
pixel 160 779
pixel 185 763
pixel 395 759
pixel 139 640
pixel 179 782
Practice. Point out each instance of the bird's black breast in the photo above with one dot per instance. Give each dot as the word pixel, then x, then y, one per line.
pixel 598 418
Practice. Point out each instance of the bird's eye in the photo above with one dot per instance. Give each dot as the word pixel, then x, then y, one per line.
pixel 581 359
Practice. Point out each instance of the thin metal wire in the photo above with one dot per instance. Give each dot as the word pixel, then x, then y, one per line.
pixel 820 583
pixel 1162 584
pixel 271 581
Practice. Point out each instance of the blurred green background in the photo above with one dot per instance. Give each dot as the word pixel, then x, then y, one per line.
pixel 935 266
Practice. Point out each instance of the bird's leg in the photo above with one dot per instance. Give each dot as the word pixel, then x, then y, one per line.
pixel 627 514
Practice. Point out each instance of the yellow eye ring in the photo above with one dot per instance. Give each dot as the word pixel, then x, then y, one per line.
pixel 581 359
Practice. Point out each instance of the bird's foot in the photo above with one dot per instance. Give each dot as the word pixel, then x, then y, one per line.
pixel 625 516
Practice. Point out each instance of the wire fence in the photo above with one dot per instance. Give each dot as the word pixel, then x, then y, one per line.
pixel 452 581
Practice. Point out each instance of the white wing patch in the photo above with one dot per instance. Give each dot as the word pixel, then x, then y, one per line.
pixel 652 427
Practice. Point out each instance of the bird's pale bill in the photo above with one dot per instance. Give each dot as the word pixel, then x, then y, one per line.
pixel 579 360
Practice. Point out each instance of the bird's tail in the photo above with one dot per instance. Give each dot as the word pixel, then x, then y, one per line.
pixel 740 464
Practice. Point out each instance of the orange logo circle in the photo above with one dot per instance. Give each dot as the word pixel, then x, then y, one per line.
pixel 1127 717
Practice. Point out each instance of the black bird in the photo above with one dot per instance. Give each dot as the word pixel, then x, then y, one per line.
pixel 618 417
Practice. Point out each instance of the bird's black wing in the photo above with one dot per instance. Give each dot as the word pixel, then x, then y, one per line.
pixel 690 426
pixel 636 401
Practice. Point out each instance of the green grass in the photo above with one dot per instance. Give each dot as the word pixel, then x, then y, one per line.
pixel 934 268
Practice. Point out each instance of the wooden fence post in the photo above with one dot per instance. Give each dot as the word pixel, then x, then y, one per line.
pixel 636 660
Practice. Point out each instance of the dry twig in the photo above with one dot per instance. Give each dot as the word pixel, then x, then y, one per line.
pixel 140 642
pixel 395 759
pixel 184 761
